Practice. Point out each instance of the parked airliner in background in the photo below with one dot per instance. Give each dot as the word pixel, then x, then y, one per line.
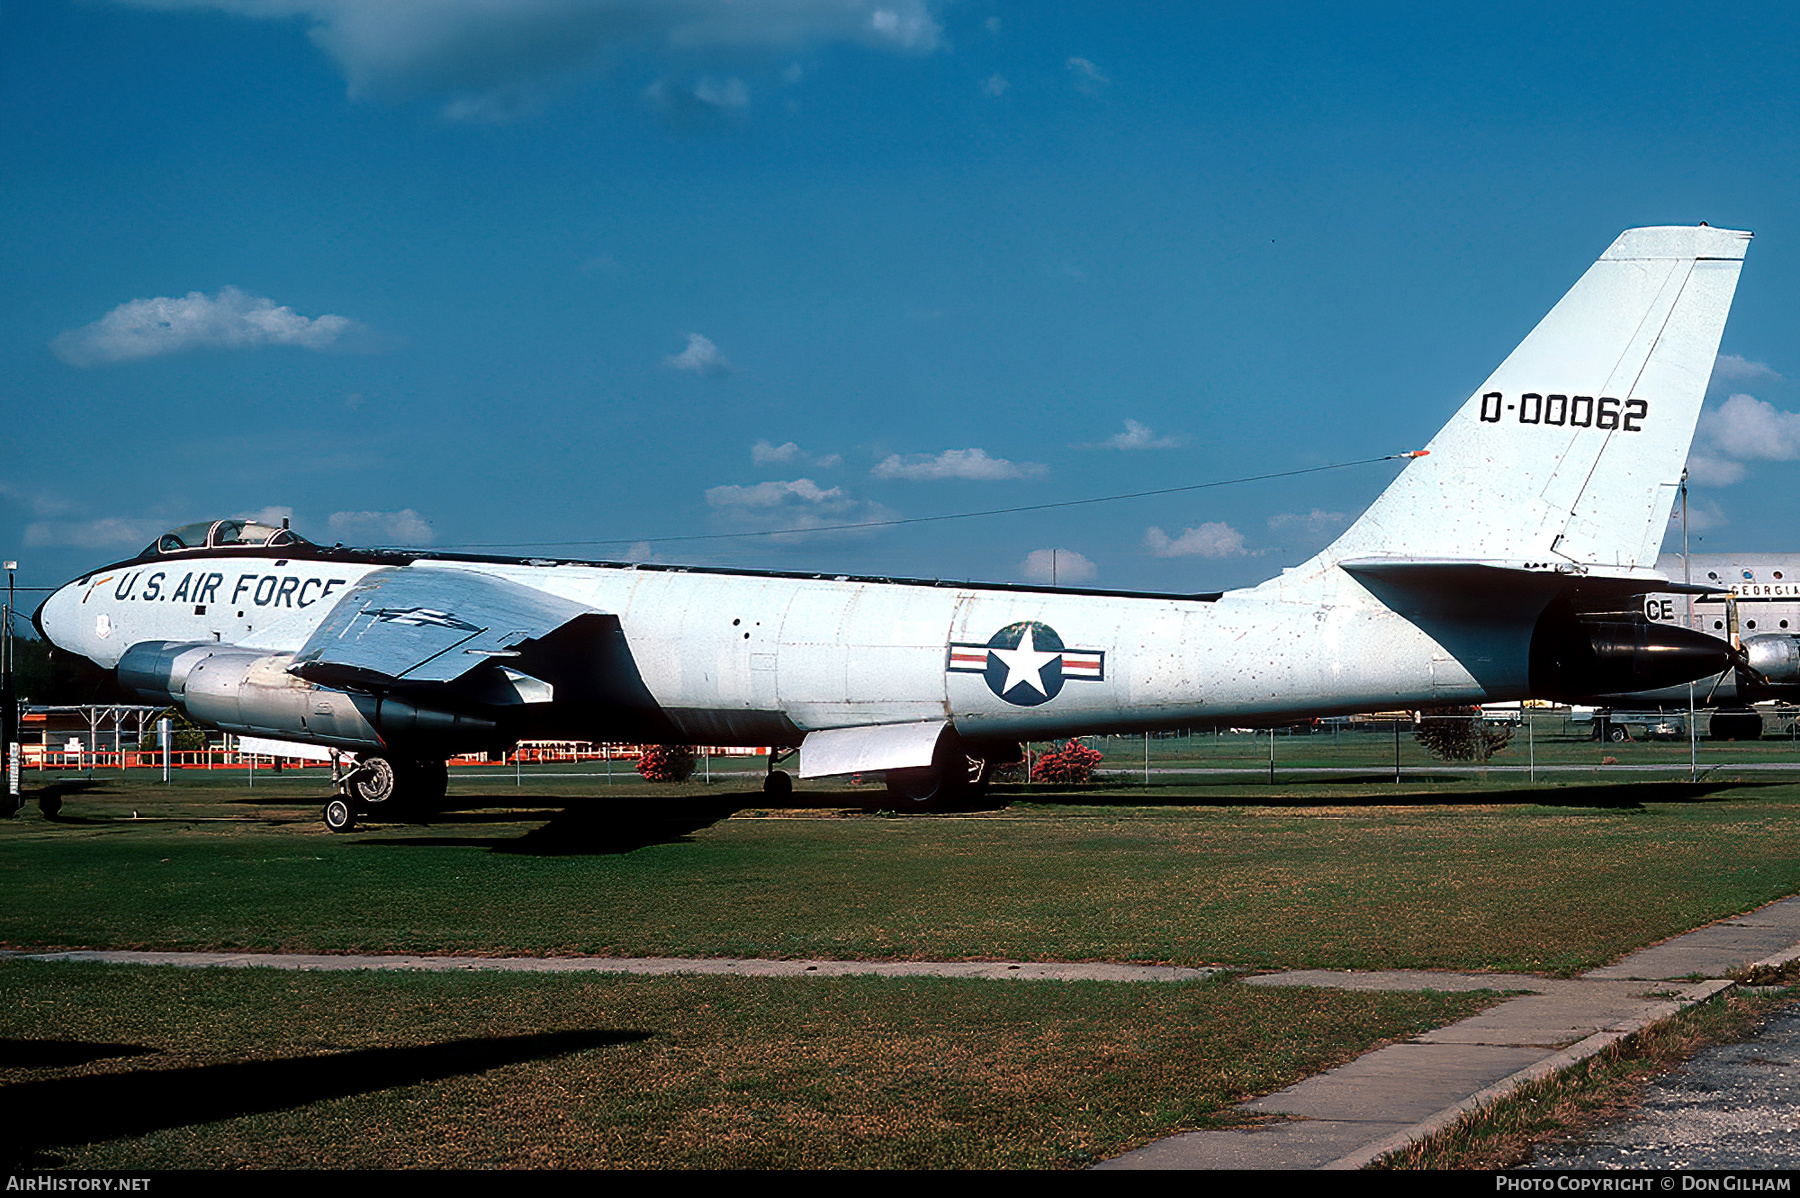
pixel 1508 560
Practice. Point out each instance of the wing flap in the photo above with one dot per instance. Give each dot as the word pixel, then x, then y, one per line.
pixel 409 625
pixel 876 747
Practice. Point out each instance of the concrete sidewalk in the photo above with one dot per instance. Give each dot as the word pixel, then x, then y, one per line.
pixel 1381 1102
pixel 1010 971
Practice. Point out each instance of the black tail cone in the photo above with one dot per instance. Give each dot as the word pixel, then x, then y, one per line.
pixel 1575 658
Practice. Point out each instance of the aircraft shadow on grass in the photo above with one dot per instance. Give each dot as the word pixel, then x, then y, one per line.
pixel 577 831
pixel 94 1108
pixel 1616 795
pixel 51 1054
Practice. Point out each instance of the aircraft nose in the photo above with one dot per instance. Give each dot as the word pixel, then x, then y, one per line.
pixel 54 618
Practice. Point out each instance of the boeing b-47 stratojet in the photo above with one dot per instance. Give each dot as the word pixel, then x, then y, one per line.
pixel 1506 561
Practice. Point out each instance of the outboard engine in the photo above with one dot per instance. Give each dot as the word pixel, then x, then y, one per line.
pixel 249 692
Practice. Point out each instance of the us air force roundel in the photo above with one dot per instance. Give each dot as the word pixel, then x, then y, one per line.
pixel 1026 663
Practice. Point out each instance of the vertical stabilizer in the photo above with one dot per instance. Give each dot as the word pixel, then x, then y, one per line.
pixel 1572 451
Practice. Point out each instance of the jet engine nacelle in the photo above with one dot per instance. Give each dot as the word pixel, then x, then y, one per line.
pixel 1775 657
pixel 1574 658
pixel 246 691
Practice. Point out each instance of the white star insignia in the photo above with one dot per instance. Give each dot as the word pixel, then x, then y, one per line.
pixel 1025 664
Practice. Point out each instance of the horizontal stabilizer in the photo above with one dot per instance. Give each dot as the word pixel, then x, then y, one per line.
pixel 411 625
pixel 1463 577
pixel 859 750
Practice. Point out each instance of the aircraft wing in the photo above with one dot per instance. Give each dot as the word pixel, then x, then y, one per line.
pixel 407 625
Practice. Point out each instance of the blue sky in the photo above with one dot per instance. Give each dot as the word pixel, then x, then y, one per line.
pixel 466 273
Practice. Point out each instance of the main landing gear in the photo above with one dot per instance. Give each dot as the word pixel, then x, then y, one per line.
pixel 380 785
pixel 778 785
pixel 952 780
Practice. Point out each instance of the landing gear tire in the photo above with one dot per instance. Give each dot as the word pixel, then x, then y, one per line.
pixel 1737 725
pixel 949 782
pixel 339 814
pixel 778 784
pixel 374 781
pixel 49 805
pixel 916 790
pixel 419 787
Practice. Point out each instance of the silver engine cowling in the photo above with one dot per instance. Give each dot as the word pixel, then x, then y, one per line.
pixel 1774 656
pixel 250 692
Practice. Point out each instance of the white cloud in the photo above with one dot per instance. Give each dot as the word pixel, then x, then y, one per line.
pixel 1742 429
pixel 495 59
pixel 1736 366
pixel 272 515
pixel 1137 435
pixel 730 94
pixel 1746 428
pixel 41 503
pixel 94 534
pixel 1060 567
pixel 797 504
pixel 953 463
pixel 1706 470
pixel 404 527
pixel 995 85
pixel 764 454
pixel 1087 76
pixel 148 328
pixel 1316 523
pixel 700 357
pixel 1213 539
pixel 774 494
pixel 1702 518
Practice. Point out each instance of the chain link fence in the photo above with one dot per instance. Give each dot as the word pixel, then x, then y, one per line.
pixel 1535 742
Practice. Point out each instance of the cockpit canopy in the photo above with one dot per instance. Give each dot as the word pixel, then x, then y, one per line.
pixel 222 534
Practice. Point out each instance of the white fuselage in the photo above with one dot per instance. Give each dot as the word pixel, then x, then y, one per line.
pixel 753 658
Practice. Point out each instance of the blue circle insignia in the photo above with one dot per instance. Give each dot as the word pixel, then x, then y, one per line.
pixel 1024 665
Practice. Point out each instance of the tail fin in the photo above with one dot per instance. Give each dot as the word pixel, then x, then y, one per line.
pixel 1572 451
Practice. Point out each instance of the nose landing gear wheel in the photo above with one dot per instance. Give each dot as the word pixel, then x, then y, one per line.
pixel 340 816
pixel 778 784
pixel 374 781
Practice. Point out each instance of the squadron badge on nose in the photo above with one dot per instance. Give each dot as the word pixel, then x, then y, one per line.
pixel 1026 663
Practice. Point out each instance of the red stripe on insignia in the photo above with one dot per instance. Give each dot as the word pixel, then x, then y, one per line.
pixel 1081 663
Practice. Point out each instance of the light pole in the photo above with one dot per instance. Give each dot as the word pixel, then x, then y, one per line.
pixel 1687 578
pixel 9 706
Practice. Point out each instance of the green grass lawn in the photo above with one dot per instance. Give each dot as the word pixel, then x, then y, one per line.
pixel 1553 879
pixel 214 1068
pixel 127 1068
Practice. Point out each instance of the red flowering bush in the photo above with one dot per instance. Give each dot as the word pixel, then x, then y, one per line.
pixel 1071 765
pixel 667 763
